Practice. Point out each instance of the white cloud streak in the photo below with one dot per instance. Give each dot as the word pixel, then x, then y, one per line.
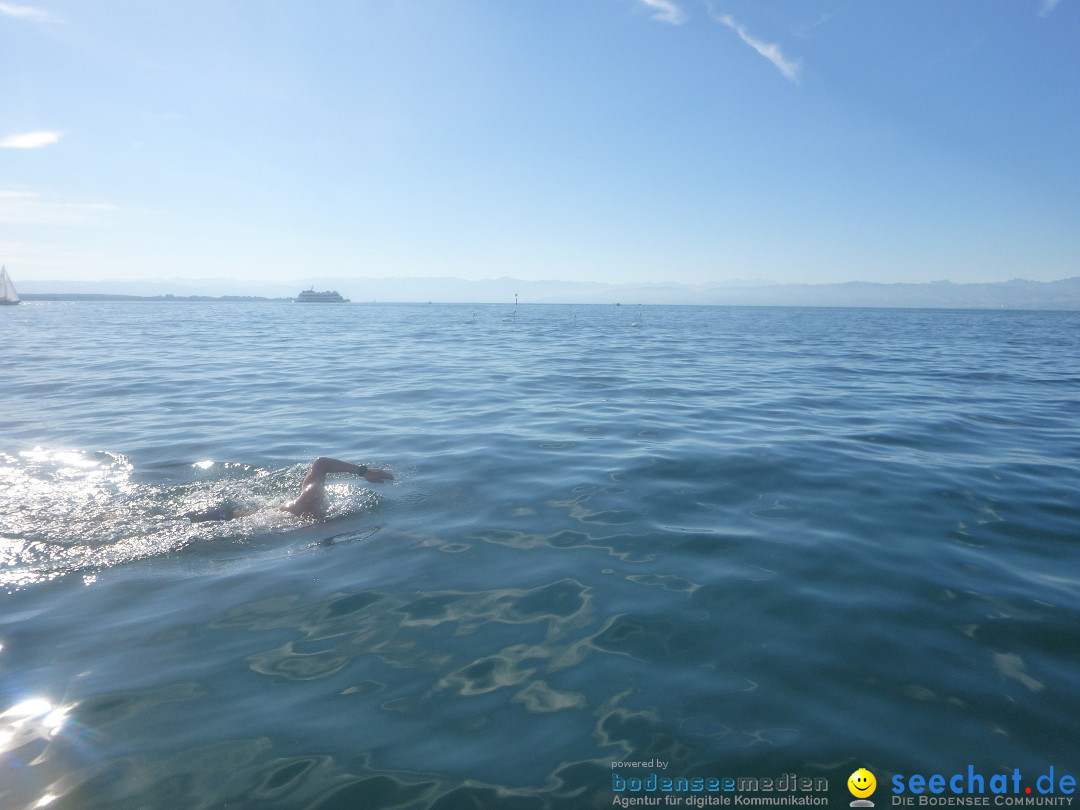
pixel 28 208
pixel 665 11
pixel 27 13
pixel 30 140
pixel 1048 6
pixel 789 67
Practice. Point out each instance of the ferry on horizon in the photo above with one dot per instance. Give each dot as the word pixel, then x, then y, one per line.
pixel 325 297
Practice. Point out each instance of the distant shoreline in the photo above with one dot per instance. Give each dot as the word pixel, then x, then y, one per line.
pixel 249 299
pixel 1063 294
pixel 115 297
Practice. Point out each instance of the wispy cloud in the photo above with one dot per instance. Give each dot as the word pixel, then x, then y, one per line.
pixel 1048 6
pixel 30 140
pixel 27 13
pixel 28 208
pixel 804 31
pixel 789 67
pixel 665 11
pixel 26 259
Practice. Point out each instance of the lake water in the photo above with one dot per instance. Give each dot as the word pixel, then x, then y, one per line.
pixel 738 542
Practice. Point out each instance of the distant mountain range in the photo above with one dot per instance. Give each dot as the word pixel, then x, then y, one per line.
pixel 1016 294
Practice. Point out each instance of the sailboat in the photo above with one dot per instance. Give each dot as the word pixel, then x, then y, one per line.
pixel 7 289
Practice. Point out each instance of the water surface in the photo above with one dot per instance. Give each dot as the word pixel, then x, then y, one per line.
pixel 743 541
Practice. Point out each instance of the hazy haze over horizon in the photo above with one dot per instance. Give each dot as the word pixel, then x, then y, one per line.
pixel 609 141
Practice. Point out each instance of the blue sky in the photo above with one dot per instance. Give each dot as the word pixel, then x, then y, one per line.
pixel 603 140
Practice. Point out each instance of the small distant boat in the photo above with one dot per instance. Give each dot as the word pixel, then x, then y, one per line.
pixel 325 297
pixel 7 289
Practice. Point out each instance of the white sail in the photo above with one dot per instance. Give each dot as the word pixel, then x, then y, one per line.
pixel 7 289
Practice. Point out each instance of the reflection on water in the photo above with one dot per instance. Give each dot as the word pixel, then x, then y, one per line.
pixel 30 730
pixel 30 720
pixel 512 696
pixel 455 671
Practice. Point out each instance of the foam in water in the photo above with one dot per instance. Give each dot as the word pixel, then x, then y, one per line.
pixel 64 511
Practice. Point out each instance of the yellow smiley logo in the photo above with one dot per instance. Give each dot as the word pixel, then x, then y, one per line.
pixel 861 783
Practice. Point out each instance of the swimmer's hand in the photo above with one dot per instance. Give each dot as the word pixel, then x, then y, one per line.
pixel 377 476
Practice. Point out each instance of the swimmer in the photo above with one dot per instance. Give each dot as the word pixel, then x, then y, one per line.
pixel 311 501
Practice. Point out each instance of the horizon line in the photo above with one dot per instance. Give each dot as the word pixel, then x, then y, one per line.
pixel 729 282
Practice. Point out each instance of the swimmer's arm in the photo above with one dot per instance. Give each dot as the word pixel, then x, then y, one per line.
pixel 374 474
pixel 323 465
